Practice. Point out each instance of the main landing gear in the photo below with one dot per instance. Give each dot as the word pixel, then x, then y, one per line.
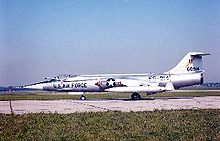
pixel 135 96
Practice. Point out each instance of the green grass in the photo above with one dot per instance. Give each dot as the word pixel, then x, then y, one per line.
pixel 56 96
pixel 156 125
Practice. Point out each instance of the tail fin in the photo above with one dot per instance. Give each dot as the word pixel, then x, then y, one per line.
pixel 192 62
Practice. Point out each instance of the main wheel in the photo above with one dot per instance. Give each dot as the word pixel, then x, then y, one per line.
pixel 82 97
pixel 135 96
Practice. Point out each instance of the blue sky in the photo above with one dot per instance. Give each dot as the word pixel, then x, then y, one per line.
pixel 40 38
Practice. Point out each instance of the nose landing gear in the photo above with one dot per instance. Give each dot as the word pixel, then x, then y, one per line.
pixel 82 97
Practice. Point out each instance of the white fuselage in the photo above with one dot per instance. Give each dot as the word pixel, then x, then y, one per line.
pixel 135 82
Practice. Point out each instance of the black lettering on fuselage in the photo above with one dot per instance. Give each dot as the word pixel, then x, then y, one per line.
pixel 159 78
pixel 70 85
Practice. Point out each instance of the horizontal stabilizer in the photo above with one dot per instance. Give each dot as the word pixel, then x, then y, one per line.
pixel 200 54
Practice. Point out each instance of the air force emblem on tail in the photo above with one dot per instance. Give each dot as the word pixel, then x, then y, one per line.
pixel 189 63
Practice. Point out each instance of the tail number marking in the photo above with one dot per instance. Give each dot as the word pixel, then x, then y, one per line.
pixel 193 69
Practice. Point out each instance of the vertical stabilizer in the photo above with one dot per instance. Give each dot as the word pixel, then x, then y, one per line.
pixel 192 62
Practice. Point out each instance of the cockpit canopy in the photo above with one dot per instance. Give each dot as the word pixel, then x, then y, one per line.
pixel 60 77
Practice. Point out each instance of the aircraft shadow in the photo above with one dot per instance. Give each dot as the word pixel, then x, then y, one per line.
pixel 147 98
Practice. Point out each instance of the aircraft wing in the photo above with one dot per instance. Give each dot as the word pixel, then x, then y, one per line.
pixel 148 89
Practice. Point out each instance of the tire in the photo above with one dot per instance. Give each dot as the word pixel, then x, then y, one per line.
pixel 135 96
pixel 82 97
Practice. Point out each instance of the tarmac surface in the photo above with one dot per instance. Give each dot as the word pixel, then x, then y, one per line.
pixel 124 105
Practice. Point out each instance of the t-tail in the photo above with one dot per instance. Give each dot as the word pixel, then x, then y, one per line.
pixel 189 71
pixel 192 62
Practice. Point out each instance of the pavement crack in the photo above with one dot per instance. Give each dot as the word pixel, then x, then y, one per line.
pixel 91 105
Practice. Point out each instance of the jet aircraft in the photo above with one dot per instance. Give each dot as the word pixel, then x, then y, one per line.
pixel 189 71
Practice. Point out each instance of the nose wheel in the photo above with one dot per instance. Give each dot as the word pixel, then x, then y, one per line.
pixel 82 97
pixel 135 96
